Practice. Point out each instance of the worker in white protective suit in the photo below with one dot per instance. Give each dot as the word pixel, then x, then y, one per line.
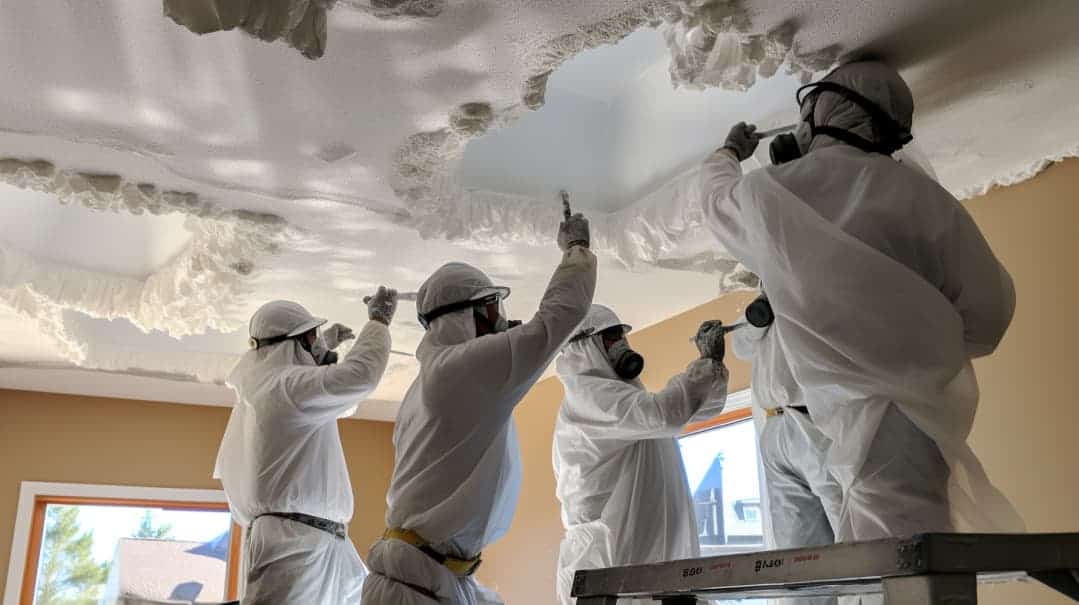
pixel 619 472
pixel 883 290
pixel 803 499
pixel 281 460
pixel 457 471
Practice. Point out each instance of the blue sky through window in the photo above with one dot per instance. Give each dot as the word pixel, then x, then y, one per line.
pixel 110 523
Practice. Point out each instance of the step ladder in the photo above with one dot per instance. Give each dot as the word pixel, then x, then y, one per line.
pixel 934 569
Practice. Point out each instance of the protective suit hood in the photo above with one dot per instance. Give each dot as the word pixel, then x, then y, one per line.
pixel 281 318
pixel 879 84
pixel 451 283
pixel 585 353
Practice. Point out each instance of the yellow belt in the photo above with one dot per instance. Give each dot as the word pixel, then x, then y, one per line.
pixel 459 567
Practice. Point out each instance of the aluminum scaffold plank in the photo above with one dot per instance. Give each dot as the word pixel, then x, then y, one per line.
pixel 926 568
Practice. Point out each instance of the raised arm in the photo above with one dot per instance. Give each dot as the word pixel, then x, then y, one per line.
pixel 513 360
pixel 605 408
pixel 327 391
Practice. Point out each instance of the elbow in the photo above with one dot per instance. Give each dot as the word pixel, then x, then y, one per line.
pixel 983 347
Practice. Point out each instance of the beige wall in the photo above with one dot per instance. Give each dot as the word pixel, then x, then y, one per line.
pixel 61 438
pixel 1025 433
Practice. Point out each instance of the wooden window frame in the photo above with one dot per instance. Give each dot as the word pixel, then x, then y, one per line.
pixel 721 420
pixel 38 496
pixel 742 409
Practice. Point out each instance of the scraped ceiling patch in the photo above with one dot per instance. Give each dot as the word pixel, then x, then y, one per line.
pixel 299 23
pixel 711 43
pixel 197 290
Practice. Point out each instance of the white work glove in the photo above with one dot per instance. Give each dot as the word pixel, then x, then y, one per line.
pixel 336 334
pixel 382 306
pixel 710 342
pixel 742 140
pixel 574 231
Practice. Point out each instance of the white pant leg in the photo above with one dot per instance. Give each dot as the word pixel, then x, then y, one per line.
pixel 901 489
pixel 804 500
pixel 290 563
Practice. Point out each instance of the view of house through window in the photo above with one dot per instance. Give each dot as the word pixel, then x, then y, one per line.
pixel 91 554
pixel 721 466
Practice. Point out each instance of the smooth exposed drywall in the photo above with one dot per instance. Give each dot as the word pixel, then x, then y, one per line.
pixel 522 565
pixel 69 439
pixel 1024 432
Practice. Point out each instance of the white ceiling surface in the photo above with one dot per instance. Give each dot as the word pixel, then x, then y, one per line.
pixel 613 127
pixel 114 87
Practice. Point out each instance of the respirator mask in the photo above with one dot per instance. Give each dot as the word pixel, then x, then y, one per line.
pixel 481 315
pixel 893 136
pixel 625 362
pixel 759 312
pixel 318 351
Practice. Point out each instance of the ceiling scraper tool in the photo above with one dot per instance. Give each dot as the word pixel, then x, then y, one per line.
pixel 764 134
pixel 726 329
pixel 406 296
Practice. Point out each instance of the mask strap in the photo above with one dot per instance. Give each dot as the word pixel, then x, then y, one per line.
pixel 258 343
pixel 895 135
pixel 426 318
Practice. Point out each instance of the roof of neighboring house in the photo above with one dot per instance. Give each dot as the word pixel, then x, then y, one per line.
pixel 172 570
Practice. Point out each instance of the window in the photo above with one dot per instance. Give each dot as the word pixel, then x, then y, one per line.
pixel 93 548
pixel 722 469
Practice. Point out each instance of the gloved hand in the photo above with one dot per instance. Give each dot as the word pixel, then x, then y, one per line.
pixel 336 334
pixel 382 305
pixel 574 231
pixel 742 140
pixel 323 356
pixel 709 340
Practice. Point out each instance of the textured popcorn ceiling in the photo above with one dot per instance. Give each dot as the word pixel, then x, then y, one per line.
pixel 157 184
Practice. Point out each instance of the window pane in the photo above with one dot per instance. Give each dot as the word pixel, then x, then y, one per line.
pixel 126 555
pixel 721 466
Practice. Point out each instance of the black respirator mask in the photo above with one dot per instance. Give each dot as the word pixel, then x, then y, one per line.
pixel 759 312
pixel 627 363
pixel 320 353
pixel 500 324
pixel 784 148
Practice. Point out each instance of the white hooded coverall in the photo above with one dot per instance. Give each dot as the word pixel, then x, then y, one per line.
pixel 457 472
pixel 883 290
pixel 282 453
pixel 619 472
